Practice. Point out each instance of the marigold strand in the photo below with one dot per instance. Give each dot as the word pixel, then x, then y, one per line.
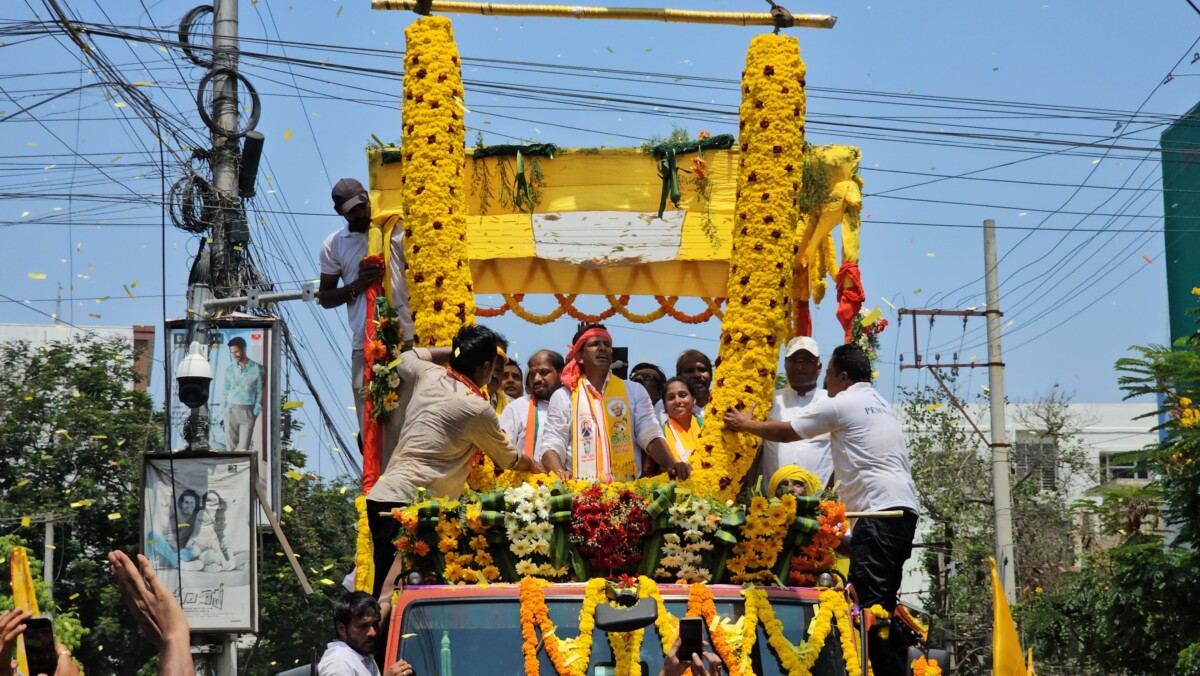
pixel 433 143
pixel 761 259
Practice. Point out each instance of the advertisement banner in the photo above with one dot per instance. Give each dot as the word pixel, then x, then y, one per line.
pixel 198 533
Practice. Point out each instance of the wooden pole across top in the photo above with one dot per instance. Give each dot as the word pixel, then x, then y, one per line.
pixel 612 13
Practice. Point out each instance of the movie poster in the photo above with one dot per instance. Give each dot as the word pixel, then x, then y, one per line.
pixel 198 533
pixel 243 409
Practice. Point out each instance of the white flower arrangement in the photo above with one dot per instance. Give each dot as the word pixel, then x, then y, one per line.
pixel 529 530
pixel 683 555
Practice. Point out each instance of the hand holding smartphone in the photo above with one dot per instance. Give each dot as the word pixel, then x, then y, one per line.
pixel 691 638
pixel 40 651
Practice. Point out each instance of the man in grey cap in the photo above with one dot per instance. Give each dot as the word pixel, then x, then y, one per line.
pixel 802 364
pixel 345 277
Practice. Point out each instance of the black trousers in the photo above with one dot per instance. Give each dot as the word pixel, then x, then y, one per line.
pixel 383 538
pixel 878 550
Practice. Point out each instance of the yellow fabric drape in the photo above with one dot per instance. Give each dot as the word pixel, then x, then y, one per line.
pixel 502 243
pixel 1007 658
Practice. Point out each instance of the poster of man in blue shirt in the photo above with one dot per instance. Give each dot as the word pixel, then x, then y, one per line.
pixel 243 396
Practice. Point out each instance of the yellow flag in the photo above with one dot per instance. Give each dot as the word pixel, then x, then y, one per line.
pixel 23 597
pixel 1007 659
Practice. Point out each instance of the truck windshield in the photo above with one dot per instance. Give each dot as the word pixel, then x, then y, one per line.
pixel 482 637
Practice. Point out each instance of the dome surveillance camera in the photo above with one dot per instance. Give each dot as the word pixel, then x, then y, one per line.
pixel 194 376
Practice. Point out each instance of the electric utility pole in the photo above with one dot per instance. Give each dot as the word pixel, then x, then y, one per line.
pixel 1001 488
pixel 225 150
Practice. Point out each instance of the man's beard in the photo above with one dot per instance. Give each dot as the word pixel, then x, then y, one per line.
pixel 359 225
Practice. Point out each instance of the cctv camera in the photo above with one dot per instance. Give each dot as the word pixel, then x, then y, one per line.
pixel 194 376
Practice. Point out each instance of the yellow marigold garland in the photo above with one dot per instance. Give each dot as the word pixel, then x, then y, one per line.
pixel 570 657
pixel 761 539
pixel 841 613
pixel 760 270
pixel 432 140
pixel 364 550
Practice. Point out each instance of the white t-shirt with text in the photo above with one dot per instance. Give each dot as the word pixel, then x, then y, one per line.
pixel 870 457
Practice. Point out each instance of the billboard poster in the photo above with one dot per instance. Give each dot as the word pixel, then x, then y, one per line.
pixel 243 399
pixel 198 533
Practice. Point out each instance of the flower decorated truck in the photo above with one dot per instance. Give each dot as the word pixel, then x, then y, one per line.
pixel 531 574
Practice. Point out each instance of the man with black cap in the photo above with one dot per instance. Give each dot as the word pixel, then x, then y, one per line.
pixel 342 260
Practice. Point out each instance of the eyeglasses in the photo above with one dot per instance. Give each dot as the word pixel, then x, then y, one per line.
pixel 642 376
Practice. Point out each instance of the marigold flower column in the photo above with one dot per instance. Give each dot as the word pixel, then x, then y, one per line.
pixel 433 142
pixel 760 265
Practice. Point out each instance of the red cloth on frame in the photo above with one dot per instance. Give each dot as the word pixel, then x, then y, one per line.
pixel 850 296
pixel 372 431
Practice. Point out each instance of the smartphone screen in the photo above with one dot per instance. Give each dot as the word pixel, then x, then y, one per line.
pixel 691 638
pixel 39 645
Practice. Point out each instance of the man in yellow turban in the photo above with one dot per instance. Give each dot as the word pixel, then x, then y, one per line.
pixel 794 479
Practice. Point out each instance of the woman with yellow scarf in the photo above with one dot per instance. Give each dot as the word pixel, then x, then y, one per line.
pixel 681 428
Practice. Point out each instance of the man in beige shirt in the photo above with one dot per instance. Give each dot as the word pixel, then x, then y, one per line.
pixel 446 419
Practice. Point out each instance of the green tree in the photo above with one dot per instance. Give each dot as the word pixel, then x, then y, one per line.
pixel 1130 608
pixel 73 427
pixel 321 530
pixel 952 470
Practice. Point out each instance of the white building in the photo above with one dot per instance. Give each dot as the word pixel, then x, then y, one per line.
pixel 141 337
pixel 1105 431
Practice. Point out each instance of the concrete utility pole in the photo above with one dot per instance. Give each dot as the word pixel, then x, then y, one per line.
pixel 1001 488
pixel 225 152
pixel 225 159
pixel 48 562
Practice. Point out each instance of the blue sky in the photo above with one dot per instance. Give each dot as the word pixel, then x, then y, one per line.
pixel 999 91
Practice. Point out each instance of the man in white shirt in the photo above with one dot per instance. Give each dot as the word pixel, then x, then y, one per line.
pixel 598 425
pixel 871 459
pixel 802 364
pixel 524 419
pixel 342 259
pixel 356 620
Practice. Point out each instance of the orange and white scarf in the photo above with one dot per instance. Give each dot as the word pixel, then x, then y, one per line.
pixel 602 432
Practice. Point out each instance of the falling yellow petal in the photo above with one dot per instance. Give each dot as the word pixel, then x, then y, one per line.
pixel 37 275
pixel 101 299
pixel 294 475
pixel 134 284
pixel 341 492
pixel 115 516
pixel 115 159
pixel 872 317
pixel 291 405
pixel 287 508
pixel 287 135
pixel 94 315
pixel 22 482
pixel 25 521
pixel 934 407
pixel 326 581
pixel 119 104
pixel 340 8
pixel 888 302
pixel 74 596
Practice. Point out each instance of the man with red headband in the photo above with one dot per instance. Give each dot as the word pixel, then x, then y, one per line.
pixel 598 425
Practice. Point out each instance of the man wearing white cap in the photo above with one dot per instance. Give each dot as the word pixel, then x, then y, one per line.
pixel 802 364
